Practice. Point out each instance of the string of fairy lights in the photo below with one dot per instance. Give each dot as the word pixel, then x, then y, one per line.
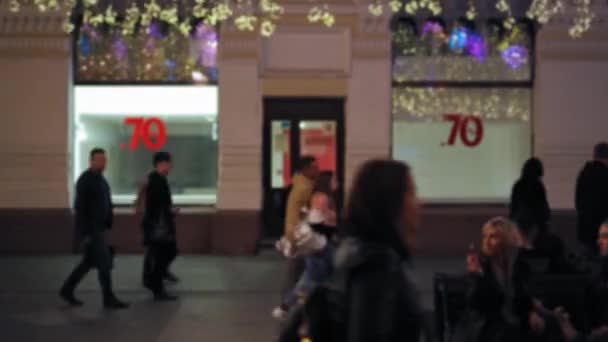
pixel 263 15
pixel 431 103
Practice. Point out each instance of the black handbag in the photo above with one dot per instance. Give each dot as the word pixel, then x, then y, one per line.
pixel 161 231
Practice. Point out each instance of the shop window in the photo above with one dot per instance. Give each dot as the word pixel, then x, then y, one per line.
pixel 462 107
pixel 136 93
pixel 108 116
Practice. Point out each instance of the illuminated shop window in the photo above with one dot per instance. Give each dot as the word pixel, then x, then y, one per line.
pixel 151 89
pixel 461 105
pixel 179 119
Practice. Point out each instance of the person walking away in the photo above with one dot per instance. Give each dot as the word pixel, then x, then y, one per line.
pixel 590 199
pixel 159 227
pixel 299 198
pixel 529 207
pixel 93 217
pixel 314 241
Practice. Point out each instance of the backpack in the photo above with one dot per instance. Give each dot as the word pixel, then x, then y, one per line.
pixel 140 200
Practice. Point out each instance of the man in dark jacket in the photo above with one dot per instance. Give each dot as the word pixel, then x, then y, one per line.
pixel 159 227
pixel 93 216
pixel 591 195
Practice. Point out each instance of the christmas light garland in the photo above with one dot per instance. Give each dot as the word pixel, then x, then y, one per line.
pixel 431 103
pixel 249 15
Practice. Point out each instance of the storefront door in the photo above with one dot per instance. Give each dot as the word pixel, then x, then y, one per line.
pixel 296 127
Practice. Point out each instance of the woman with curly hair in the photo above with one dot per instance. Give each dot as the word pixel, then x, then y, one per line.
pixel 500 309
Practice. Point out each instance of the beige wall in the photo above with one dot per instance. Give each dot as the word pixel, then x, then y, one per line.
pixel 368 108
pixel 571 105
pixel 34 98
pixel 240 140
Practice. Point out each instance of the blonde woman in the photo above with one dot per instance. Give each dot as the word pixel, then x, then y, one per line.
pixel 498 294
pixel 500 244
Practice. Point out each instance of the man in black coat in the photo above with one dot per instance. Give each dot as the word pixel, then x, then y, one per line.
pixel 93 216
pixel 159 227
pixel 591 198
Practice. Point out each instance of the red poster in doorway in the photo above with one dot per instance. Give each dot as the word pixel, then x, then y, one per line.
pixel 318 142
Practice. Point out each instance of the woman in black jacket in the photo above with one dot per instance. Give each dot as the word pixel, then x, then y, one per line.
pixel 379 228
pixel 529 207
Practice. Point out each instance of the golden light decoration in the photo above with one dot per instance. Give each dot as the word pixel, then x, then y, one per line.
pixel 376 9
pixel 395 5
pixel 246 22
pixel 413 6
pixel 471 11
pixel 430 104
pixel 582 21
pixel 543 10
pixel 246 14
pixel 267 28
pixel 504 7
pixel 321 14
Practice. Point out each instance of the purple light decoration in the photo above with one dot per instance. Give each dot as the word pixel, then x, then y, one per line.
pixel 120 48
pixel 476 47
pixel 515 56
pixel 458 38
pixel 432 27
pixel 170 64
pixel 207 39
pixel 91 32
pixel 155 31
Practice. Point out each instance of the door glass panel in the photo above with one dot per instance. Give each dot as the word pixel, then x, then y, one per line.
pixel 280 168
pixel 318 138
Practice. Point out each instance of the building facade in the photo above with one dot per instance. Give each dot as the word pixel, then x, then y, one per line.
pixel 342 93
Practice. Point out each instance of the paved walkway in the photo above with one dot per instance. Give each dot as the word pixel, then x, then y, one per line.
pixel 221 299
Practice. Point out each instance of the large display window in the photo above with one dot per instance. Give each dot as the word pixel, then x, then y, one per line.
pixel 462 99
pixel 151 89
pixel 133 122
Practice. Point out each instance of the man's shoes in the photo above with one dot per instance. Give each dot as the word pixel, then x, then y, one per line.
pixel 170 277
pixel 164 297
pixel 114 304
pixel 69 298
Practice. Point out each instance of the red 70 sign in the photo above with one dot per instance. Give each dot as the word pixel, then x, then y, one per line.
pixel 461 124
pixel 142 132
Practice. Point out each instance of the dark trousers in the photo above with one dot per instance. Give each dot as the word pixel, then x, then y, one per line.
pixel 147 269
pixel 97 254
pixel 157 260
